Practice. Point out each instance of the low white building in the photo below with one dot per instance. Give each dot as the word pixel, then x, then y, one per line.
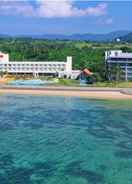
pixel 57 68
pixel 116 59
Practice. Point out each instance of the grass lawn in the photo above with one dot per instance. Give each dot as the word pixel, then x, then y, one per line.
pixel 68 82
pixel 116 84
pixel 113 84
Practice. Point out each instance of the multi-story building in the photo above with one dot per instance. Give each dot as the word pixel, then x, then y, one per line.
pixel 57 68
pixel 119 64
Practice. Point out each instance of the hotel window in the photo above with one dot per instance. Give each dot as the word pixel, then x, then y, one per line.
pixel 116 53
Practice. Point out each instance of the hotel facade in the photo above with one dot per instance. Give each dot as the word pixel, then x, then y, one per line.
pixel 121 61
pixel 55 68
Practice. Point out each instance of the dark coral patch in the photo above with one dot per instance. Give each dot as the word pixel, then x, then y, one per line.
pixel 3 179
pixel 45 169
pixel 103 167
pixel 125 145
pixel 123 154
pixel 6 162
pixel 6 126
pixel 75 169
pixel 19 176
pixel 10 174
pixel 101 133
pixel 33 125
pixel 128 132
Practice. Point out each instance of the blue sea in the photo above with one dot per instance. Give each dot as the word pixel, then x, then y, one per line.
pixel 65 140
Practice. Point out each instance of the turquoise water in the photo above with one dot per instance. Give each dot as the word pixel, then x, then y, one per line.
pixel 31 82
pixel 64 140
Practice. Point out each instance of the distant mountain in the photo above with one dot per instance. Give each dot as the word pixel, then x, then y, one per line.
pixel 88 36
pixel 127 38
pixel 3 36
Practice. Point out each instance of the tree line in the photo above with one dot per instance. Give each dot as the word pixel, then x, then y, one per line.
pixel 85 54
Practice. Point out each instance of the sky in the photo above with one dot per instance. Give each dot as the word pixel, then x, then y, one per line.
pixel 39 17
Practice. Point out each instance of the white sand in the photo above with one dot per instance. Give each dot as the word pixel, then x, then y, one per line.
pixel 86 94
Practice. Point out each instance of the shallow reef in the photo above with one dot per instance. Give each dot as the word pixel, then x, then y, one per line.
pixel 64 140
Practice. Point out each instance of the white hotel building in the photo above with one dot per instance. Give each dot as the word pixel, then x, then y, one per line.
pixel 123 60
pixel 56 68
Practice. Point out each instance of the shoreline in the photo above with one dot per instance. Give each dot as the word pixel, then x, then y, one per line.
pixel 84 92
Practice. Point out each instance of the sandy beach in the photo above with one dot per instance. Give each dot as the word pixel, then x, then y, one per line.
pixel 93 93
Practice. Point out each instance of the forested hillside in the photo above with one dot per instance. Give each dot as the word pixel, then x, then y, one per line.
pixel 85 54
pixel 127 38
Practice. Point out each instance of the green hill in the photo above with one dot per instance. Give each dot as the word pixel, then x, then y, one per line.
pixel 127 38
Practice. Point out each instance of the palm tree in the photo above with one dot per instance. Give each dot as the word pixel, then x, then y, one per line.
pixel 115 72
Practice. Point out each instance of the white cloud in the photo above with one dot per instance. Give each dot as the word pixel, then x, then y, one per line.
pixel 109 21
pixel 16 8
pixel 66 8
pixel 105 21
pixel 54 8
pixel 50 9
